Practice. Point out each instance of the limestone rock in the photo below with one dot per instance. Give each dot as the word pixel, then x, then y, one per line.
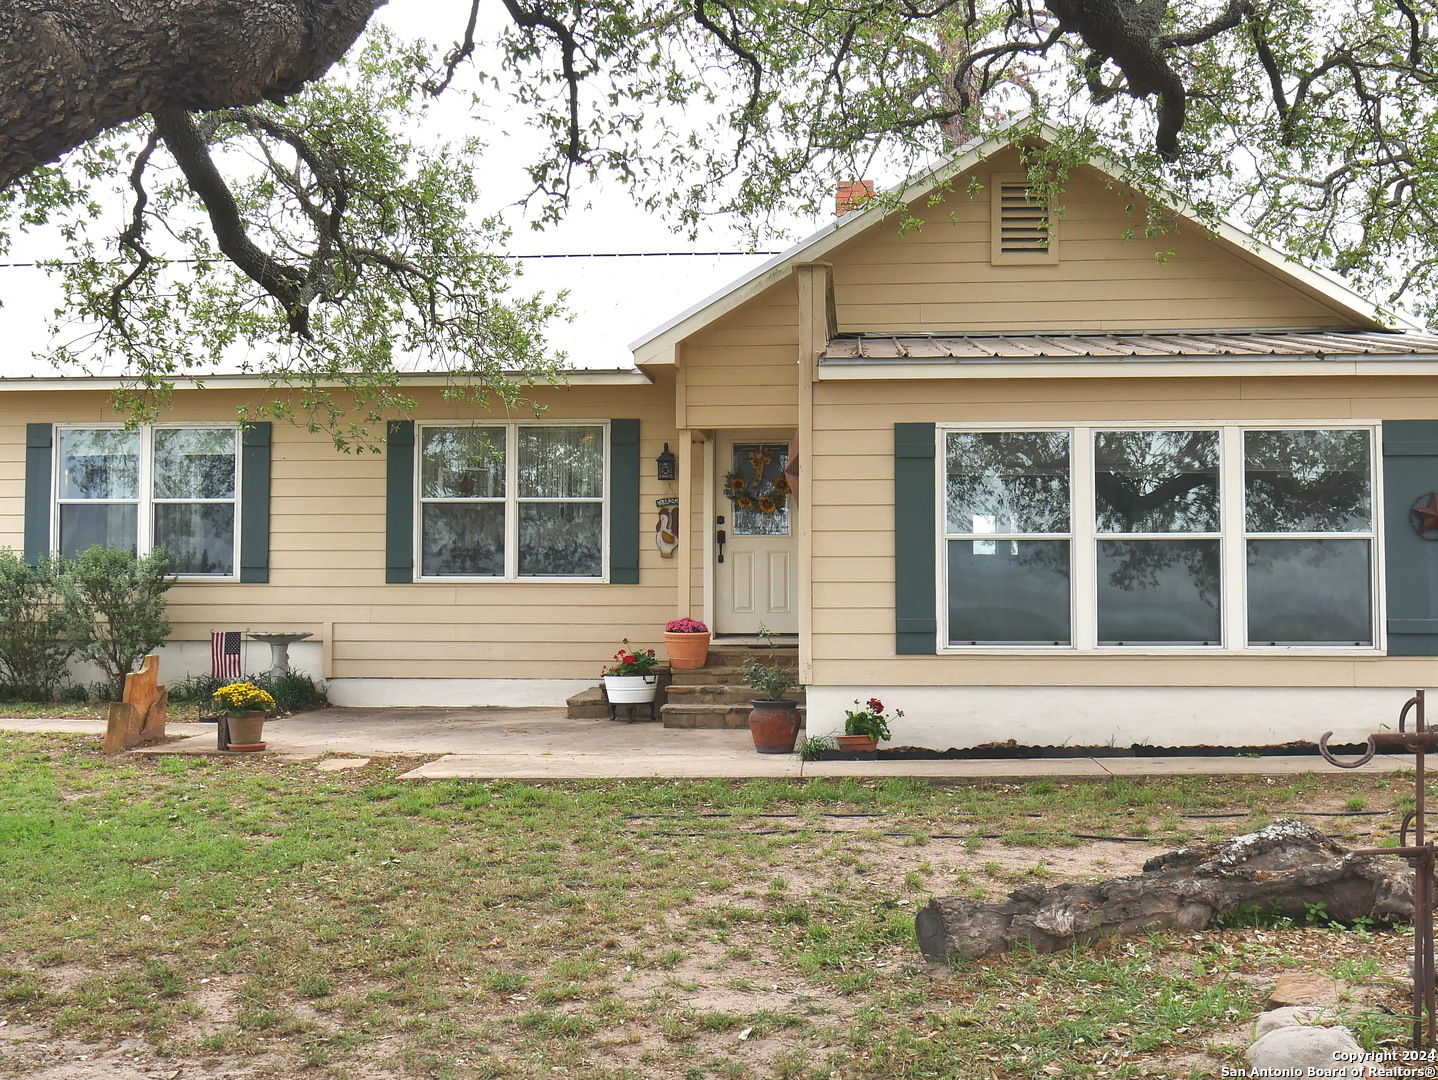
pixel 1303 988
pixel 1339 1014
pixel 1307 1047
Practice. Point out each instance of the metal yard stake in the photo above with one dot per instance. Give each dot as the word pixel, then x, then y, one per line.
pixel 1420 854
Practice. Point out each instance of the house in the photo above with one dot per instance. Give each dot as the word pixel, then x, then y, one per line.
pixel 1053 484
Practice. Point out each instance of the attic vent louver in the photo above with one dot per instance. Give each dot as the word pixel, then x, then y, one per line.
pixel 1022 225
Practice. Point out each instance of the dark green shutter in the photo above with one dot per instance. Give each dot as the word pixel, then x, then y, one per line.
pixel 255 502
pixel 1410 469
pixel 399 502
pixel 915 536
pixel 624 502
pixel 39 454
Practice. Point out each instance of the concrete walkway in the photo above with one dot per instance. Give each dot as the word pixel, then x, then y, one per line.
pixel 543 744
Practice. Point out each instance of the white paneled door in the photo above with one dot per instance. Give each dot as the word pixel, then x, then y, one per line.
pixel 755 571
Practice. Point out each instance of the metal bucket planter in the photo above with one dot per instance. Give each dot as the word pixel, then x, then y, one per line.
pixel 630 689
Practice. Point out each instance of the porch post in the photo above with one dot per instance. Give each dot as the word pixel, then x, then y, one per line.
pixel 817 324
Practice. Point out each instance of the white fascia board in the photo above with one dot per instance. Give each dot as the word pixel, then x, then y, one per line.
pixel 658 345
pixel 1180 367
pixel 592 377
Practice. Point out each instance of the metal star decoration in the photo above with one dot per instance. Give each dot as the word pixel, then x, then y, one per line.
pixel 1425 515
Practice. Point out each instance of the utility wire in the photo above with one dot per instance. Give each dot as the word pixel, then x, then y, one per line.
pixel 503 255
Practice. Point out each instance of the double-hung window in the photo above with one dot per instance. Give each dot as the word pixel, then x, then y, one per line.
pixel 171 488
pixel 512 500
pixel 1201 538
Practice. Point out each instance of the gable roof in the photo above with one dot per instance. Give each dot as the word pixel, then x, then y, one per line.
pixel 658 345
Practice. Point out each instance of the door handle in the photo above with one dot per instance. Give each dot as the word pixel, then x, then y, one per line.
pixel 720 538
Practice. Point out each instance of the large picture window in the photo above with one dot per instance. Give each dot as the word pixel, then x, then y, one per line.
pixel 170 488
pixel 512 500
pixel 1202 538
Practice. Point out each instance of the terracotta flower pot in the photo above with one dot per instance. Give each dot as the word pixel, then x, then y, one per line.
pixel 857 742
pixel 774 726
pixel 686 651
pixel 245 730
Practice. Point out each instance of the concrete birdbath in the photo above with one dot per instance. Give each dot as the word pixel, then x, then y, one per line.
pixel 279 642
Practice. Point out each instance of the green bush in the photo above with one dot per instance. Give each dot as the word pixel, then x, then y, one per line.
pixel 113 609
pixel 33 649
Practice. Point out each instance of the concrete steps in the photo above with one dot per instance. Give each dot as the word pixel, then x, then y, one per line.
pixel 714 696
pixel 707 715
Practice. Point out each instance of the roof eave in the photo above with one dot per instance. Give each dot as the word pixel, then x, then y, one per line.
pixel 576 377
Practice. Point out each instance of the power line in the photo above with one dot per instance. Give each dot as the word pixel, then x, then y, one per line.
pixel 502 255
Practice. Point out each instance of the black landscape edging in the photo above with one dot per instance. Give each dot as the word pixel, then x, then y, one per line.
pixel 1005 752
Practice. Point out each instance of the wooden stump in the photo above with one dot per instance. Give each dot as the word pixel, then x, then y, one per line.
pixel 1287 868
pixel 141 716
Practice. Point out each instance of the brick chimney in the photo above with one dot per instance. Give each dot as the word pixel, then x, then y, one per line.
pixel 851 195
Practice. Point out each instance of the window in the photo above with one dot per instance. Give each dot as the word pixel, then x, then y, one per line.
pixel 170 488
pixel 1193 538
pixel 512 500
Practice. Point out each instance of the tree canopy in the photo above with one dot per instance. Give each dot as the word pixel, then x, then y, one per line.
pixel 278 197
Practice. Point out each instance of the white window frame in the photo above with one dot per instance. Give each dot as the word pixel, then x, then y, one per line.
pixel 146 502
pixel 511 502
pixel 1233 538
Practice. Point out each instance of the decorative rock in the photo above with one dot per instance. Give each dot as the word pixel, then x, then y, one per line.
pixel 1309 1016
pixel 1325 1048
pixel 1303 988
pixel 340 764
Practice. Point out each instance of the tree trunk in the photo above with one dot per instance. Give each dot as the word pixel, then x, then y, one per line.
pixel 70 69
pixel 1287 868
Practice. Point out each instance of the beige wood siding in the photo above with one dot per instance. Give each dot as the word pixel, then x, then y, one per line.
pixel 851 495
pixel 742 372
pixel 939 277
pixel 327 537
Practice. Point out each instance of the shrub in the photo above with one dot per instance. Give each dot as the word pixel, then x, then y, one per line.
pixel 33 649
pixel 114 609
pixel 292 691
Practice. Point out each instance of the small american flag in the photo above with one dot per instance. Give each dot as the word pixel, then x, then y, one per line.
pixel 225 654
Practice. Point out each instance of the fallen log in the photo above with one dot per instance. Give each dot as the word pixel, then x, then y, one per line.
pixel 1288 868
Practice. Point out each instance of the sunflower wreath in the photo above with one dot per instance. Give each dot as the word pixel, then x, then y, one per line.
pixel 764 493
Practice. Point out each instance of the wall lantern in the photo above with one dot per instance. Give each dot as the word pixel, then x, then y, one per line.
pixel 666 465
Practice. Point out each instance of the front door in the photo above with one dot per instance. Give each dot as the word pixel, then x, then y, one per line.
pixel 756 566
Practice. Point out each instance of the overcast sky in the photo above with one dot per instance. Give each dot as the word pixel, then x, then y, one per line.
pixel 613 300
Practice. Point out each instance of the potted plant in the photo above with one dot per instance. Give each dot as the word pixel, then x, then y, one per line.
pixel 245 706
pixel 866 727
pixel 773 719
pixel 631 679
pixel 686 641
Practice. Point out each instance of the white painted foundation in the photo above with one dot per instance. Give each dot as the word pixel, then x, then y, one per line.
pixel 454 693
pixel 939 717
pixel 180 659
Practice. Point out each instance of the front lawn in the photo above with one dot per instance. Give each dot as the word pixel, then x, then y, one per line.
pixel 264 919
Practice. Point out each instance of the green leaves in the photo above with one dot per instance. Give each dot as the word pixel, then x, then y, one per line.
pixel 360 257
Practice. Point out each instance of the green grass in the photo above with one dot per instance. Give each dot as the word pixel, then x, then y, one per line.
pixel 261 911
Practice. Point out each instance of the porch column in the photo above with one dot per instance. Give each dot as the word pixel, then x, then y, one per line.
pixel 817 324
